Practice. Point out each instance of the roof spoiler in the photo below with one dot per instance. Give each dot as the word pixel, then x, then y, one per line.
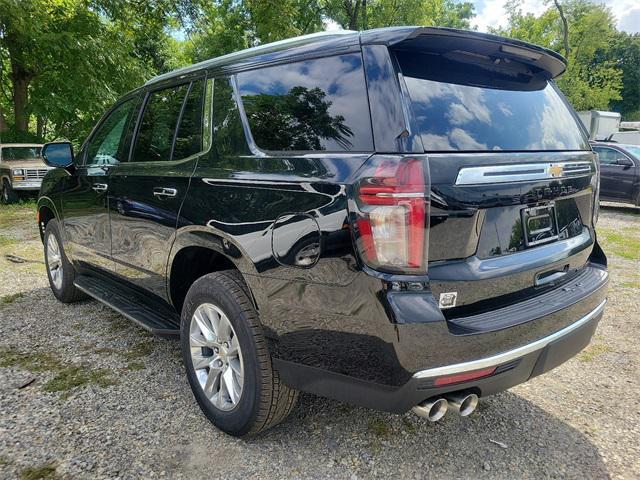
pixel 470 47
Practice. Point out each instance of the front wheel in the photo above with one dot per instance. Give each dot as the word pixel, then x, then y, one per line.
pixel 59 269
pixel 227 360
pixel 8 194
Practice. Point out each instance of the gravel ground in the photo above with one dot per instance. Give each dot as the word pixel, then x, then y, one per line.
pixel 86 394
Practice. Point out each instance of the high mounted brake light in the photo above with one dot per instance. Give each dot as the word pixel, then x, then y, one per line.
pixel 392 215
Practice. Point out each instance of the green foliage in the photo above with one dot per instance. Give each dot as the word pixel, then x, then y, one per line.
pixel 593 79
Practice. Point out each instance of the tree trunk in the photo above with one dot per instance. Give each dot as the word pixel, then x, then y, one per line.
pixel 364 14
pixel 352 11
pixel 565 28
pixel 3 122
pixel 20 78
pixel 39 127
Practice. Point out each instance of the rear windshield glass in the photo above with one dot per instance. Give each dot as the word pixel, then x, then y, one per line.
pixel 458 117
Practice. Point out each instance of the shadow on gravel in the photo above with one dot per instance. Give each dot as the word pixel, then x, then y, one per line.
pixel 621 208
pixel 507 437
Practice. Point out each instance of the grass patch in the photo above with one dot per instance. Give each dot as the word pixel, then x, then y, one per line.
pixel 74 376
pixel 48 470
pixel 141 350
pixel 10 214
pixel 135 366
pixel 7 299
pixel 379 427
pixel 4 241
pixel 623 245
pixel 631 284
pixel 593 351
pixel 408 425
pixel 67 377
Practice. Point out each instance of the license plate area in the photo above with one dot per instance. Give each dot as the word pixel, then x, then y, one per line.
pixel 539 224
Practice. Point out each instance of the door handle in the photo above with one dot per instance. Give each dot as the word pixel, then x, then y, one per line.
pixel 99 187
pixel 161 192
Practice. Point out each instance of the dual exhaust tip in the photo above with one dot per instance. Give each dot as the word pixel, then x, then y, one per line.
pixel 436 408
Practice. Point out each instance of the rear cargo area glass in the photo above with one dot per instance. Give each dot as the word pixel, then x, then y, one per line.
pixel 466 116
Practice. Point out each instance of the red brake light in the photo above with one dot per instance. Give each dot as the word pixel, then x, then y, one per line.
pixel 393 211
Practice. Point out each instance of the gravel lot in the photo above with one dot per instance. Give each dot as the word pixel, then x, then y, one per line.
pixel 108 400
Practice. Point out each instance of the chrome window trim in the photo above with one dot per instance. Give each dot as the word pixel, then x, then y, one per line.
pixel 510 354
pixel 523 172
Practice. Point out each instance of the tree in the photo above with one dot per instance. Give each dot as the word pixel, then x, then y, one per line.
pixel 360 14
pixel 592 80
pixel 625 54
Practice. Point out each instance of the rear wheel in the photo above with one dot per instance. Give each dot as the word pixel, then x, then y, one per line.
pixel 227 360
pixel 8 194
pixel 59 269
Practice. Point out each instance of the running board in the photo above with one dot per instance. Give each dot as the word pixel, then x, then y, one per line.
pixel 159 320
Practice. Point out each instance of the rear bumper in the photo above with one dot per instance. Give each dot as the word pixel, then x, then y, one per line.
pixel 514 366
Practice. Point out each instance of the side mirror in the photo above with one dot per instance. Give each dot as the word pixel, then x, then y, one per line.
pixel 624 161
pixel 58 154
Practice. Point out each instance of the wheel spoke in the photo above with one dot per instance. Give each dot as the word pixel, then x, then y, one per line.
pixel 205 326
pixel 227 378
pixel 212 382
pixel 196 340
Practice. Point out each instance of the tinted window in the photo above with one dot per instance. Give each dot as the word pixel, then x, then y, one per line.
pixel 109 144
pixel 157 127
pixel 312 105
pixel 189 136
pixel 607 156
pixel 228 133
pixel 458 117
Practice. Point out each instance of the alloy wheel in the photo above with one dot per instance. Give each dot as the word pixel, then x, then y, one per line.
pixel 54 261
pixel 216 356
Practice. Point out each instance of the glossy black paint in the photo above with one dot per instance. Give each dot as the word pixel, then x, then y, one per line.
pixel 619 173
pixel 284 220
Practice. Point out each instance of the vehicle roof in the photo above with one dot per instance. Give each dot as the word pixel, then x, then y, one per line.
pixel 2 145
pixel 614 144
pixel 399 37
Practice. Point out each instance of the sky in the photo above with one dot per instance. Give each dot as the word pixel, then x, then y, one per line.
pixel 490 13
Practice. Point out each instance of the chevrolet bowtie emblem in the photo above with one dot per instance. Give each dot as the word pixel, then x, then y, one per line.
pixel 556 171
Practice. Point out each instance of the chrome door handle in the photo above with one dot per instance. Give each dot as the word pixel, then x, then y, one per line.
pixel 99 187
pixel 162 192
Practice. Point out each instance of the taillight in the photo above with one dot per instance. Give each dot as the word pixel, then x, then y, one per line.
pixel 392 217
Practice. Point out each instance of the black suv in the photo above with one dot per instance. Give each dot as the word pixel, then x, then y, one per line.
pixel 399 218
pixel 619 172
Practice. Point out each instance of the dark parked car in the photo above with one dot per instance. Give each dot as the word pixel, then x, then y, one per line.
pixel 619 172
pixel 399 218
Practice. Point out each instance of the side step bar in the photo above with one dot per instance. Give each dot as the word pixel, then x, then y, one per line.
pixel 160 320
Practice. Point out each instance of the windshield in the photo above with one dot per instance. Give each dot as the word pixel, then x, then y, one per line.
pixel 20 153
pixel 635 151
pixel 459 117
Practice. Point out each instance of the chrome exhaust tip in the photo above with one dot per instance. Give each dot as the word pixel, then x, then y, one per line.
pixel 463 403
pixel 433 410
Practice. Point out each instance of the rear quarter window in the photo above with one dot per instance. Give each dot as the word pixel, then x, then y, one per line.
pixel 453 116
pixel 318 104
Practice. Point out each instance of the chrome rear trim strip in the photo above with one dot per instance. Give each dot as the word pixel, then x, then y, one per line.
pixel 509 355
pixel 523 172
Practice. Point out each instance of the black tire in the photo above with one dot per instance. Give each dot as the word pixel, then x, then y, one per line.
pixel 8 194
pixel 265 401
pixel 64 290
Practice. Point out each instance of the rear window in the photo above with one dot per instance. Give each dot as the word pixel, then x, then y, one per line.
pixel 316 104
pixel 470 117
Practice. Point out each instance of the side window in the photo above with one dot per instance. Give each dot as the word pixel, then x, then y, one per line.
pixel 110 143
pixel 607 156
pixel 154 140
pixel 228 134
pixel 316 104
pixel 189 136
